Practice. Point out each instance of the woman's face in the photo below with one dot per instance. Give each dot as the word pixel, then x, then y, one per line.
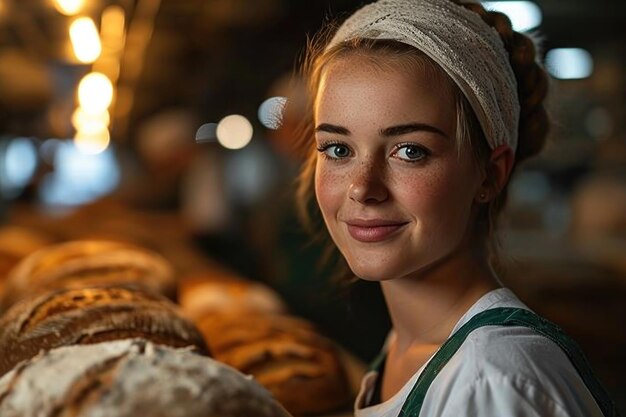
pixel 393 191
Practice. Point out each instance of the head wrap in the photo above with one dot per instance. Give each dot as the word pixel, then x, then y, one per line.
pixel 468 49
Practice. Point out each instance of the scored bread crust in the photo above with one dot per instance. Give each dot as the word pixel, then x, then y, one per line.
pixel 301 368
pixel 82 316
pixel 83 263
pixel 130 378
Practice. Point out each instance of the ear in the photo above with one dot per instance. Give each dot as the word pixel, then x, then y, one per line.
pixel 498 172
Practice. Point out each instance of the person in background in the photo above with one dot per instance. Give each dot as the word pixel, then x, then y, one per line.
pixel 420 111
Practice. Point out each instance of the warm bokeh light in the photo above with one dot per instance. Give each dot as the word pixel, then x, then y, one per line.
pixel 69 7
pixel 95 92
pixel 109 66
pixel 90 122
pixel 112 26
pixel 234 131
pixel 112 36
pixel 85 40
pixel 271 112
pixel 524 15
pixel 92 142
pixel 569 63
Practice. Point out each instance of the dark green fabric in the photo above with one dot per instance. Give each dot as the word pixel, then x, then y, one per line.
pixel 507 317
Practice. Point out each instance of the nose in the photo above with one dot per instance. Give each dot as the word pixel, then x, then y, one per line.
pixel 368 184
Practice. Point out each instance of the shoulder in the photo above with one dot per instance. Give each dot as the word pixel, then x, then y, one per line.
pixel 509 371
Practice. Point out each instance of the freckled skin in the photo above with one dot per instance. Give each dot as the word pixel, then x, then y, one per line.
pixel 434 195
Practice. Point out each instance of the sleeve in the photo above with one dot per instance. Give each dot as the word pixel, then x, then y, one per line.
pixel 502 396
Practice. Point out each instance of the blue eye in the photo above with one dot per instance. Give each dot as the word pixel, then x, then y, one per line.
pixel 410 152
pixel 335 151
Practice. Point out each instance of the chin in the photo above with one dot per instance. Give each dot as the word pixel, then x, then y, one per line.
pixel 369 272
pixel 385 267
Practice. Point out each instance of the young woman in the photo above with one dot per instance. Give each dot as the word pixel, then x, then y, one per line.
pixel 421 109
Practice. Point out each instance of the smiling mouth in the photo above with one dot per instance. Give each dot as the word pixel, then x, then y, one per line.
pixel 373 232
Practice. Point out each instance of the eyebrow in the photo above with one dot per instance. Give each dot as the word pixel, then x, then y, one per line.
pixel 391 131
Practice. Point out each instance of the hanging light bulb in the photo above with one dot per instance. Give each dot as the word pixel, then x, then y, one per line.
pixel 234 131
pixel 90 122
pixel 85 40
pixel 92 142
pixel 95 92
pixel 69 7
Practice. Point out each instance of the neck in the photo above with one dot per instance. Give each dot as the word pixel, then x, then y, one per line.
pixel 425 306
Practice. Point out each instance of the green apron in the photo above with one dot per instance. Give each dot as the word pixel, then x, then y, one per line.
pixel 504 316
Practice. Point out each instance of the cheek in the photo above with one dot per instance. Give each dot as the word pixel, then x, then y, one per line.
pixel 328 188
pixel 438 196
pixel 420 195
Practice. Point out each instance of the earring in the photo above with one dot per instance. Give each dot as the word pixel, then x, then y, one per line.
pixel 482 197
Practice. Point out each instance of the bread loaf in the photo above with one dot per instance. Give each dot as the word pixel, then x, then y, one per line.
pixel 21 241
pixel 217 290
pixel 16 243
pixel 82 316
pixel 298 366
pixel 127 379
pixel 83 263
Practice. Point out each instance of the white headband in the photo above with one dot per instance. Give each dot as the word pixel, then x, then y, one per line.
pixel 468 49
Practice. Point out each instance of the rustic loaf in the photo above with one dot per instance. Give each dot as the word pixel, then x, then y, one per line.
pixel 218 290
pixel 82 316
pixel 82 263
pixel 299 367
pixel 20 241
pixel 130 378
pixel 16 243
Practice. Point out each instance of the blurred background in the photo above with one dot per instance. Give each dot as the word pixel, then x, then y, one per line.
pixel 169 124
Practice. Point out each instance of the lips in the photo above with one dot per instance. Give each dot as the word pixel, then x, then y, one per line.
pixel 373 230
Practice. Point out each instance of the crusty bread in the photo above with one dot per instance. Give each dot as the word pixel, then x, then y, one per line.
pixel 131 378
pixel 82 316
pixel 21 241
pixel 7 262
pixel 218 290
pixel 298 366
pixel 16 243
pixel 83 263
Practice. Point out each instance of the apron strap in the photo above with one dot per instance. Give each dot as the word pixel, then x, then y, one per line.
pixel 378 361
pixel 507 317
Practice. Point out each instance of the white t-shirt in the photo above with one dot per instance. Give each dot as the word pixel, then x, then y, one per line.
pixel 498 371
